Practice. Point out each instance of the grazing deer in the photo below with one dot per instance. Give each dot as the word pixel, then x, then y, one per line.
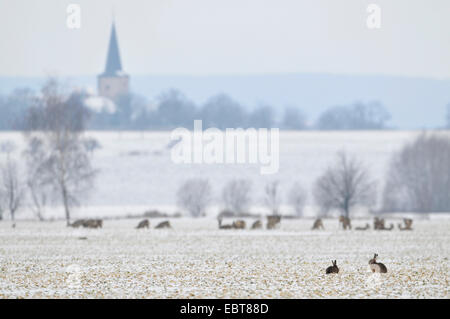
pixel 391 227
pixel 363 228
pixel 333 269
pixel 257 225
pixel 318 224
pixel 272 221
pixel 408 224
pixel 77 223
pixel 345 222
pixel 378 223
pixel 223 226
pixel 377 267
pixel 93 223
pixel 165 224
pixel 239 224
pixel 143 224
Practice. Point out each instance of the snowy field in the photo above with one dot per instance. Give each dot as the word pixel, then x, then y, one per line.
pixel 194 259
pixel 136 172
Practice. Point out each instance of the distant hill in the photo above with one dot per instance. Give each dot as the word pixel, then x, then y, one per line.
pixel 414 103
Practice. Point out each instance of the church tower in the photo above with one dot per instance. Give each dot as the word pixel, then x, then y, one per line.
pixel 113 82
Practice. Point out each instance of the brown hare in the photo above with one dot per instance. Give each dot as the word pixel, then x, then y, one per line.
pixel 164 224
pixel 318 224
pixel 257 225
pixel 143 224
pixel 333 269
pixel 376 266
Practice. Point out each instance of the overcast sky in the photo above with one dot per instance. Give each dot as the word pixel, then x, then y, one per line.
pixel 227 37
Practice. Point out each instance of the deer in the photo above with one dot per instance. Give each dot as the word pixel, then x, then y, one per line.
pixel 376 266
pixel 272 221
pixel 345 222
pixel 318 224
pixel 143 224
pixel 363 228
pixel 257 225
pixel 408 224
pixel 224 226
pixel 87 223
pixel 165 224
pixel 391 227
pixel 378 223
pixel 92 223
pixel 77 223
pixel 332 269
pixel 239 224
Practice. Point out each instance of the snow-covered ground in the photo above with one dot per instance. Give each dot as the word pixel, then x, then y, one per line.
pixel 136 171
pixel 194 259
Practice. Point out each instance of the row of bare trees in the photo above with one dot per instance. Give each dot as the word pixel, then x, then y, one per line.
pixel 195 195
pixel 57 155
pixel 418 180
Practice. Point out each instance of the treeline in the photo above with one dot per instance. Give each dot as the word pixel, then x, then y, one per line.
pixel 173 109
pixel 418 180
pixel 58 170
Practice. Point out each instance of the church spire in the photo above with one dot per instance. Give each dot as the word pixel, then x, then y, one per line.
pixel 113 64
pixel 113 82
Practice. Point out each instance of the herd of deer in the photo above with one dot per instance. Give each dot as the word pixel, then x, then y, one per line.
pixel 146 224
pixel 378 224
pixel 272 222
pixel 98 223
pixel 373 264
pixel 87 223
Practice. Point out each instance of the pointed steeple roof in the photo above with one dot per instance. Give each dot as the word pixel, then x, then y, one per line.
pixel 113 65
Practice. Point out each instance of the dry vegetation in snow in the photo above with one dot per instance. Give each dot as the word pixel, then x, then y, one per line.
pixel 194 260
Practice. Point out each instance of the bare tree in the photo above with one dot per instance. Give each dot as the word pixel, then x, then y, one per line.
pixel 448 116
pixel 418 178
pixel 60 154
pixel 236 195
pixel 272 199
pixel 2 203
pixel 12 188
pixel 297 198
pixel 194 196
pixel 38 187
pixel 344 185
